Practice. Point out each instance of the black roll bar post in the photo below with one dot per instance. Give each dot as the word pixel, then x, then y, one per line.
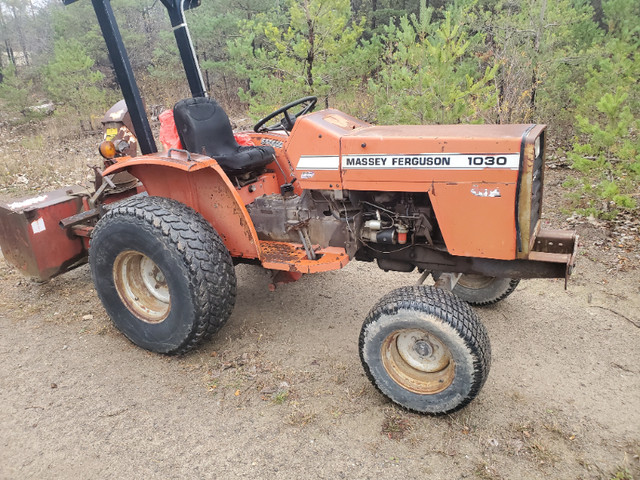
pixel 176 9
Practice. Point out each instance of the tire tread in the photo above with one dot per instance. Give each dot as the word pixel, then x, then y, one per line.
pixel 212 277
pixel 449 309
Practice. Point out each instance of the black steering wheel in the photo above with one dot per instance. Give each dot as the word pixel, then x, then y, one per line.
pixel 287 122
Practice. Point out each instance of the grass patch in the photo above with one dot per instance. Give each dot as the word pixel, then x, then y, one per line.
pixel 280 397
pixel 622 473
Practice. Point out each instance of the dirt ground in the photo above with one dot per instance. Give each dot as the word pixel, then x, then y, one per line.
pixel 280 393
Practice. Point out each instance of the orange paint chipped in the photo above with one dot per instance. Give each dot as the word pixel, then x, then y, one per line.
pixel 293 258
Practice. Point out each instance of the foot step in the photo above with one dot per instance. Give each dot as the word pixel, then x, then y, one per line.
pixel 292 257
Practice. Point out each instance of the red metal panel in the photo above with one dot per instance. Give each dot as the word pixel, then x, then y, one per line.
pixel 32 239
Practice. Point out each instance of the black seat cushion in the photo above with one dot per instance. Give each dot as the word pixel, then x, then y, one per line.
pixel 204 128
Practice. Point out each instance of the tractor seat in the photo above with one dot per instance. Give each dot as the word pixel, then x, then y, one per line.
pixel 204 128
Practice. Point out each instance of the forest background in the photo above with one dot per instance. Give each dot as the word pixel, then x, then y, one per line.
pixel 571 64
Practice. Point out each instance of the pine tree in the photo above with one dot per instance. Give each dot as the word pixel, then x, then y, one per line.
pixel 315 52
pixel 71 80
pixel 428 74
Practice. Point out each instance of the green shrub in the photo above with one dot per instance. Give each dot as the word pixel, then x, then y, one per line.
pixel 606 149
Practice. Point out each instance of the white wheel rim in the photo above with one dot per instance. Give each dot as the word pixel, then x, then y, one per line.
pixel 422 351
pixel 418 361
pixel 142 286
pixel 154 280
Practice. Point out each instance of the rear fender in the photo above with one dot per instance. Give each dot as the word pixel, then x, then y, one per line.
pixel 200 183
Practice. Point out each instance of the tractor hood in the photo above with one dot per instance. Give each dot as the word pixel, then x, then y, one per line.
pixel 481 178
pixel 330 149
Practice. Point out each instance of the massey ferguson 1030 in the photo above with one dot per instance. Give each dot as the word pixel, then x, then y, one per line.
pixel 307 194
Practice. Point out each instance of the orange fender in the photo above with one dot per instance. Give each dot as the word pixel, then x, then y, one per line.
pixel 199 182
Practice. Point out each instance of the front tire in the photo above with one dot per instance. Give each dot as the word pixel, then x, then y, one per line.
pixel 162 273
pixel 481 290
pixel 425 349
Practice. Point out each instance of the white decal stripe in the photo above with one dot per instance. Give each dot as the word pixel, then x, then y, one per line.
pixel 441 161
pixel 27 203
pixel 319 162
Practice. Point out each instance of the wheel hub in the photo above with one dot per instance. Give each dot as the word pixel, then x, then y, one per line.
pixel 422 348
pixel 154 280
pixel 418 360
pixel 142 286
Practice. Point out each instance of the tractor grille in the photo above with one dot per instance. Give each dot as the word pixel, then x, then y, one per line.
pixel 536 186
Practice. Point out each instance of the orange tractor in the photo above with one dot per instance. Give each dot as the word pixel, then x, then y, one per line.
pixel 306 194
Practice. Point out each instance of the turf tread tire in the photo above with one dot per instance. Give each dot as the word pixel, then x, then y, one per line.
pixel 495 292
pixel 447 309
pixel 204 262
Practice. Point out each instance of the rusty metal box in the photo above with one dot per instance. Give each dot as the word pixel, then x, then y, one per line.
pixel 31 238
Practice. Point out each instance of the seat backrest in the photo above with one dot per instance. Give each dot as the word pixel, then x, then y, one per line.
pixel 203 127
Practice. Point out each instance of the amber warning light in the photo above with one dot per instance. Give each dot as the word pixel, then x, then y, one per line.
pixel 107 149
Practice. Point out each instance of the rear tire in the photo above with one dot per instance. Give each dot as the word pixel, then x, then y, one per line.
pixel 481 290
pixel 162 273
pixel 425 349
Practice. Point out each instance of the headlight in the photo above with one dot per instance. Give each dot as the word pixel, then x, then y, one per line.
pixel 537 147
